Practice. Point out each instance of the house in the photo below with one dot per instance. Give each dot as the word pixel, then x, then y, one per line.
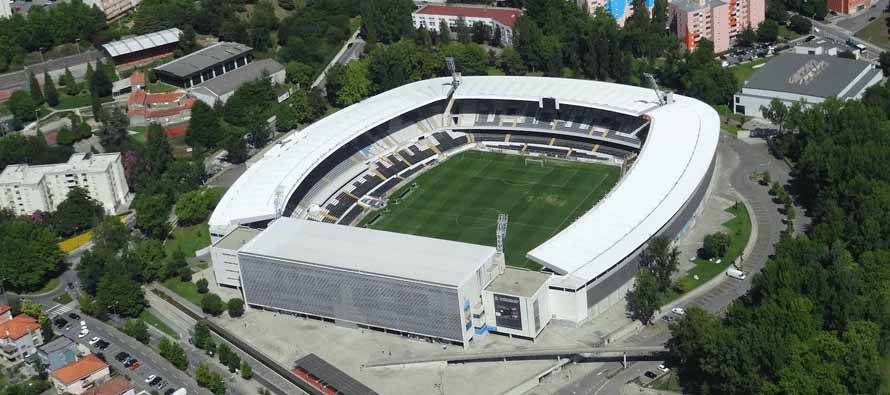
pixel 144 107
pixel 127 85
pixel 81 375
pixel 58 353
pixel 19 336
pixel 116 386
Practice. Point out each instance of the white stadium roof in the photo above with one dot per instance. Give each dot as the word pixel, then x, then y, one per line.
pixel 680 147
pixel 143 42
pixel 364 250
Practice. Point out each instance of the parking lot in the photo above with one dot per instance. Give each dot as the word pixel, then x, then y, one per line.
pixel 124 354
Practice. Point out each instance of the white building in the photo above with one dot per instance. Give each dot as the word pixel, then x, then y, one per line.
pixel 5 9
pixel 224 255
pixel 794 77
pixel 25 189
pixel 430 16
pixel 113 8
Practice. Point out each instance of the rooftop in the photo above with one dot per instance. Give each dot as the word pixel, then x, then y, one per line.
pixel 695 5
pixel 143 42
pixel 808 75
pixel 238 238
pixel 203 59
pixel 395 255
pixel 505 16
pixel 330 375
pixel 115 386
pixel 79 369
pixel 230 81
pixel 59 343
pixel 83 163
pixel 518 282
pixel 4 308
pixel 18 327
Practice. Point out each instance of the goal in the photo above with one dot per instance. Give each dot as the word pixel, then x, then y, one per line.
pixel 529 161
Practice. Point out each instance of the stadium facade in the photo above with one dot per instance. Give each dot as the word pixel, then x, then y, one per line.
pixel 333 172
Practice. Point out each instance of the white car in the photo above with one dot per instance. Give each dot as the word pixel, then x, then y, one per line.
pixel 94 340
pixel 663 369
pixel 83 324
pixel 678 311
pixel 150 378
pixel 83 333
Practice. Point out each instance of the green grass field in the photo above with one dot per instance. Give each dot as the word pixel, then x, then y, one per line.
pixel 875 32
pixel 460 200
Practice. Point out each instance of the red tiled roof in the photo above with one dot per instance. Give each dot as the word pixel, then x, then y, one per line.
pixel 137 78
pixel 79 369
pixel 115 386
pixel 506 16
pixel 176 131
pixel 170 97
pixel 4 308
pixel 18 326
pixel 137 96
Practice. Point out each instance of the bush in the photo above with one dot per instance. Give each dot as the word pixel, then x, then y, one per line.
pixel 137 330
pixel 202 285
pixel 235 307
pixel 715 245
pixel 212 304
pixel 246 370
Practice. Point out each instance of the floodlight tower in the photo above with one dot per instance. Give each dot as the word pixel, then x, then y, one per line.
pixel 278 198
pixel 455 75
pixel 501 235
pixel 663 98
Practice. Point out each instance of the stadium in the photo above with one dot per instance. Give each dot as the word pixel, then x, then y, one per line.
pixel 449 208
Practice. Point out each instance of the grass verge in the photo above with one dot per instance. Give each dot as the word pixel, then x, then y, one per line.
pixel 49 286
pixel 744 71
pixel 876 32
pixel 66 101
pixel 188 239
pixel 186 289
pixel 667 382
pixel 150 319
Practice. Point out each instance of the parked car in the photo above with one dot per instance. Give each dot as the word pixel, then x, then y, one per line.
pixel 134 366
pixel 94 340
pixel 155 381
pixel 60 322
pixel 83 324
pixel 150 378
pixel 678 311
pixel 663 368
pixel 169 391
pixel 650 374
pixel 83 333
pixel 130 361
pixel 102 344
pixel 736 274
pixel 121 356
pixel 162 385
pixel 74 316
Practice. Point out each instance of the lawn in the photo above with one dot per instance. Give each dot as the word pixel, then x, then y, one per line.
pixel 186 289
pixel 150 319
pixel 189 239
pixel 667 382
pixel 875 32
pixel 81 100
pixel 64 298
pixel 160 87
pixel 460 200
pixel 744 71
pixel 739 231
pixel 788 34
pixel 885 376
pixel 49 286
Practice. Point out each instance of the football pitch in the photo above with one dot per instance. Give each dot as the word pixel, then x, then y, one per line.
pixel 461 198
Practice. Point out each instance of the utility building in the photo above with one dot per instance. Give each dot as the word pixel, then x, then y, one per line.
pixel 205 64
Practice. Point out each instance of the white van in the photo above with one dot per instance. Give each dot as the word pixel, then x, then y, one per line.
pixel 736 273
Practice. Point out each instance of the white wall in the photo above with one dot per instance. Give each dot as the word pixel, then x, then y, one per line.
pixel 226 266
pixel 568 306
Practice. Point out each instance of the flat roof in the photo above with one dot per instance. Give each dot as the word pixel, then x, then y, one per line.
pixel 835 76
pixel 143 42
pixel 81 163
pixel 238 238
pixel 230 81
pixel 505 16
pixel 332 376
pixel 518 282
pixel 677 155
pixel 203 59
pixel 364 250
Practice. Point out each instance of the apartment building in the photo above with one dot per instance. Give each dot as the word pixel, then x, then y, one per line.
pixel 716 20
pixel 19 336
pixel 5 9
pixel 430 16
pixel 25 189
pixel 619 9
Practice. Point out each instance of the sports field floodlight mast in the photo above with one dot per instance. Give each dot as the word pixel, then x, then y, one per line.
pixel 663 98
pixel 452 69
pixel 501 232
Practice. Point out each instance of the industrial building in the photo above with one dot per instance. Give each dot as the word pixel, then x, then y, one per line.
pixel 204 64
pixel 223 87
pixel 25 189
pixel 496 18
pixel 323 173
pixel 793 77
pixel 139 50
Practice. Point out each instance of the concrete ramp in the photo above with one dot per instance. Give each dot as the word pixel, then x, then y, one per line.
pixel 518 354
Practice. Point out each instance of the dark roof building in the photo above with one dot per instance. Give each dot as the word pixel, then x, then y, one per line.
pixel 328 378
pixel 795 77
pixel 142 49
pixel 205 64
pixel 222 87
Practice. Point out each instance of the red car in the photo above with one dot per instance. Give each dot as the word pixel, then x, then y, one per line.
pixel 133 366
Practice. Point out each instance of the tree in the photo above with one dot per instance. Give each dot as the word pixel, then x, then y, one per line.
pixel 155 15
pixel 768 31
pixel 113 133
pixel 251 103
pixel 202 285
pixel 884 61
pixel 444 32
pixel 746 38
pixel 155 155
pixel 246 370
pixel 463 31
pixel 511 63
pixel 299 73
pixel 100 84
pixel 355 85
pixel 209 379
pixel 46 330
pixel 111 235
pixel 662 259
pixel 120 295
pixel 34 89
pixel 236 148
pixel 187 42
pixel 847 54
pixel 235 307
pixel 287 4
pixel 174 353
pixel 137 329
pixel 77 213
pixel 201 337
pixel 72 88
pixel 204 129
pixel 22 106
pixel 801 25
pixel 643 300
pixel 386 21
pixel 33 310
pixel 151 256
pixel 152 214
pixel 49 90
pixel 715 245
pixel 776 113
pixel 212 304
pixel 195 206
pixel 481 32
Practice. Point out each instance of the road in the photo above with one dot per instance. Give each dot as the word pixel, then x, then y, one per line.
pixel 19 78
pixel 150 361
pixel 856 22
pixel 752 158
pixel 836 32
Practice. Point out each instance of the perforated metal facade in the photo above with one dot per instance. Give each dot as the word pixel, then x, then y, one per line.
pixel 363 298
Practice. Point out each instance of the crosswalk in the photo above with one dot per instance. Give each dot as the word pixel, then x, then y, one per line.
pixel 60 309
